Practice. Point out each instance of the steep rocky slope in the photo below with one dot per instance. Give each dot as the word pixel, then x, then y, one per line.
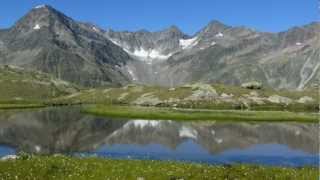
pixel 49 41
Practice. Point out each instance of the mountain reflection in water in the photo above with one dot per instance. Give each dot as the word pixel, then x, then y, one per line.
pixel 67 131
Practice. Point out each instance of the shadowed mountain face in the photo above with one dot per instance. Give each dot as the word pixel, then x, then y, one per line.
pixel 53 131
pixel 49 41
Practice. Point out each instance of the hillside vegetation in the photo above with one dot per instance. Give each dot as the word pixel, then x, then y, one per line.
pixel 198 95
pixel 22 86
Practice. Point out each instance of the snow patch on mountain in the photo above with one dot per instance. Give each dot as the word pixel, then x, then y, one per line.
pixel 151 53
pixel 95 29
pixel 142 54
pixel 219 34
pixel 188 43
pixel 115 42
pixel 40 6
pixel 120 45
pixel 37 27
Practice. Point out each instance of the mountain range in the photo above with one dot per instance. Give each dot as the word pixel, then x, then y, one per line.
pixel 46 40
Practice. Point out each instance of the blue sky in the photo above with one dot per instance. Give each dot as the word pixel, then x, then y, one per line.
pixel 189 15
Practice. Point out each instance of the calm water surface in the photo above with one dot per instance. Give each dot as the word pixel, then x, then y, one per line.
pixel 67 131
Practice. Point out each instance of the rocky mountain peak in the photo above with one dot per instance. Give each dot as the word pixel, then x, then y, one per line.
pixel 44 11
pixel 174 31
pixel 49 41
pixel 173 28
pixel 40 17
pixel 300 35
pixel 43 6
pixel 215 27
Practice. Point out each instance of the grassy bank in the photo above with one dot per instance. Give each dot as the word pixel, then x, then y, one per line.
pixel 94 168
pixel 20 106
pixel 134 112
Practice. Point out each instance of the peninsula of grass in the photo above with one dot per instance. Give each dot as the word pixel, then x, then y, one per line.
pixel 153 113
pixel 61 167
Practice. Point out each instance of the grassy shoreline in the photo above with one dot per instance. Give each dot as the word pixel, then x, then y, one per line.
pixel 61 167
pixel 162 113
pixel 193 115
pixel 21 106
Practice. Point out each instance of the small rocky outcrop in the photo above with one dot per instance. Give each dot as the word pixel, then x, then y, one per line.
pixel 305 99
pixel 148 99
pixel 123 96
pixel 202 92
pixel 279 99
pixel 133 88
